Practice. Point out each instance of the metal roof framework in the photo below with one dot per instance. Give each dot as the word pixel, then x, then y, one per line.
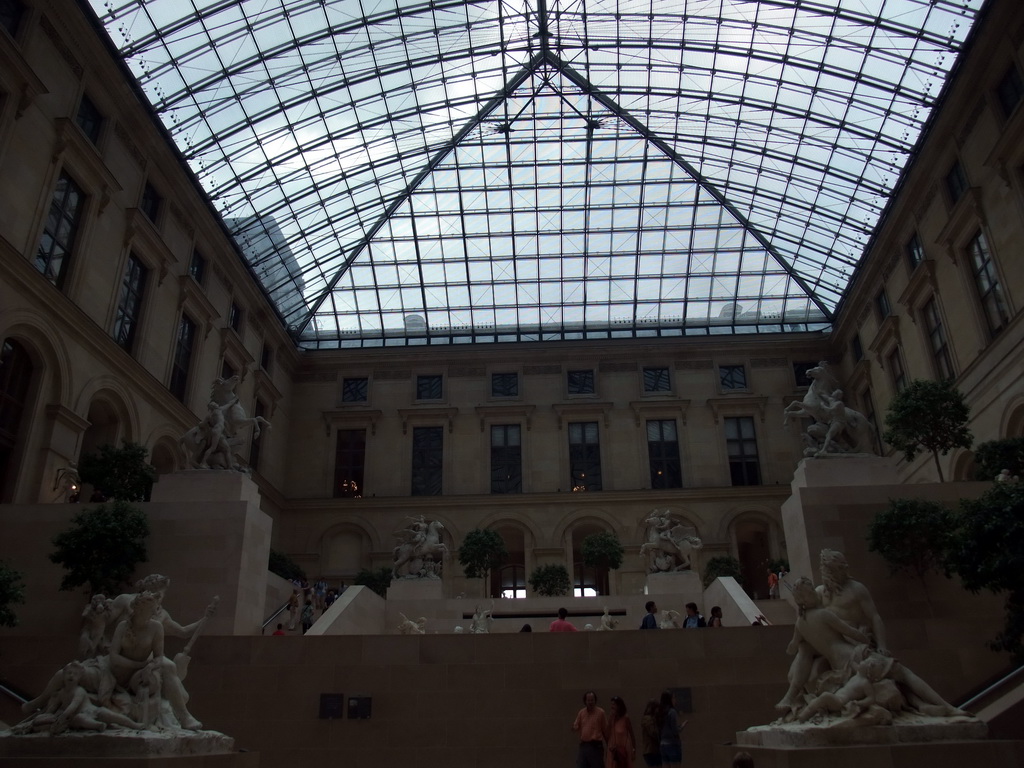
pixel 457 171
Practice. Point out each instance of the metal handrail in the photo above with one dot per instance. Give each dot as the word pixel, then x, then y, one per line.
pixel 270 619
pixel 18 696
pixel 1018 672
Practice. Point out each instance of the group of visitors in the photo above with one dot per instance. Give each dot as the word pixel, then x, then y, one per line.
pixel 694 619
pixel 307 601
pixel 608 741
pixel 775 580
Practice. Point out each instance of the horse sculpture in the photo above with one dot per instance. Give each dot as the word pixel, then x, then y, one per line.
pixel 670 546
pixel 836 428
pixel 211 443
pixel 420 555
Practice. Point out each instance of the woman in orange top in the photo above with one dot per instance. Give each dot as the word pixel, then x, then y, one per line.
pixel 620 739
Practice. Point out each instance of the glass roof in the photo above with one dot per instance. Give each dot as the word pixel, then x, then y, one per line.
pixel 453 171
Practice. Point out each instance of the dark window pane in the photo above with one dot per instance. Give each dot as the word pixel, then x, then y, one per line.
pixel 57 241
pixel 914 251
pixel 986 280
pixel 856 348
pixel 129 308
pixel 584 456
pixel 741 445
pixel 235 317
pixel 266 357
pixel 656 380
pixel 349 463
pixel 10 16
pixel 800 372
pixel 732 376
pixel 197 267
pixel 227 370
pixel 15 380
pixel 580 382
pixel 882 305
pixel 150 202
pixel 956 182
pixel 427 457
pixel 896 371
pixel 354 390
pixel 89 119
pixel 504 385
pixel 663 453
pixel 429 387
pixel 506 459
pixel 937 339
pixel 182 357
pixel 1010 90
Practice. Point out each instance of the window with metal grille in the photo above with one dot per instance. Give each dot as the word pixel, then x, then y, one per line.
pixel 584 456
pixel 580 382
pixel 355 390
pixel 956 182
pixel 914 251
pixel 741 445
pixel 732 376
pixel 937 339
pixel 150 202
pixel 427 457
pixel 986 280
pixel 506 459
pixel 57 242
pixel 897 373
pixel 657 380
pixel 504 385
pixel 663 454
pixel 197 267
pixel 1010 90
pixel 349 463
pixel 129 307
pixel 429 387
pixel 89 118
pixel 182 360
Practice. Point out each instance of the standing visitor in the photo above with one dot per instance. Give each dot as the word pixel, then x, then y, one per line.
pixel 560 624
pixel 650 620
pixel 621 741
pixel 592 726
pixel 671 731
pixel 693 617
pixel 307 616
pixel 650 735
pixel 716 617
pixel 773 585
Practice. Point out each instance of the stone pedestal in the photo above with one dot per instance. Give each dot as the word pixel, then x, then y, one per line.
pixel 416 589
pixel 174 749
pixel 940 754
pixel 686 583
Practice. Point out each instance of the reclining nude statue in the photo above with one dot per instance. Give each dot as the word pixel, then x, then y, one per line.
pixel 841 665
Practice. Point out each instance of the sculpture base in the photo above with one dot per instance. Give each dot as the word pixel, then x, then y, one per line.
pixel 416 589
pixel 83 747
pixel 675 583
pixel 937 753
pixel 920 730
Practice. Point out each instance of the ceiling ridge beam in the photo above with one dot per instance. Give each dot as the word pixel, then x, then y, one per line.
pixel 493 103
pixel 609 103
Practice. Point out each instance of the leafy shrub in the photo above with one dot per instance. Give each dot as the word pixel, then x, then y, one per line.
pixel 12 590
pixel 550 580
pixel 102 547
pixel 602 550
pixel 481 550
pixel 720 566
pixel 284 566
pixel 993 456
pixel 378 580
pixel 913 535
pixel 118 473
pixel 929 415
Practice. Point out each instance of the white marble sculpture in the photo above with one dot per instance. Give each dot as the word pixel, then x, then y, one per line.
pixel 412 626
pixel 836 429
pixel 212 443
pixel 670 545
pixel 126 680
pixel 607 622
pixel 842 675
pixel 670 619
pixel 482 620
pixel 420 553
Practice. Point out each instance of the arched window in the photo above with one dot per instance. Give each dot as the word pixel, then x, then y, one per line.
pixel 15 378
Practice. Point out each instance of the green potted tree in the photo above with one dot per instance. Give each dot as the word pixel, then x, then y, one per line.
pixel 993 456
pixel 603 552
pixel 378 580
pixel 721 566
pixel 12 591
pixel 118 473
pixel 928 415
pixel 481 550
pixel 550 580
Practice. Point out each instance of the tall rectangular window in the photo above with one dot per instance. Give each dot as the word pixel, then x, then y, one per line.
pixel 10 15
pixel 956 182
pixel 914 251
pixel 256 443
pixel 506 459
pixel 429 387
pixel 882 305
pixel 59 231
pixel 584 456
pixel 150 202
pixel 197 267
pixel 89 119
pixel 800 370
pixel 856 348
pixel 657 380
pixel 732 376
pixel 937 339
pixel 897 372
pixel 427 460
pixel 266 357
pixel 986 280
pixel 1010 90
pixel 129 308
pixel 182 361
pixel 663 454
pixel 504 385
pixel 227 370
pixel 235 317
pixel 349 463
pixel 355 390
pixel 741 445
pixel 869 411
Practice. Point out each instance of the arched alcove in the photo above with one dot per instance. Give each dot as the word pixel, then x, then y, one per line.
pixel 17 377
pixel 164 456
pixel 345 551
pixel 105 425
pixel 964 467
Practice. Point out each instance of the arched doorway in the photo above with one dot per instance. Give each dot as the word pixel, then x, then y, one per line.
pixel 16 371
pixel 753 548
pixel 587 581
pixel 509 579
pixel 104 426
